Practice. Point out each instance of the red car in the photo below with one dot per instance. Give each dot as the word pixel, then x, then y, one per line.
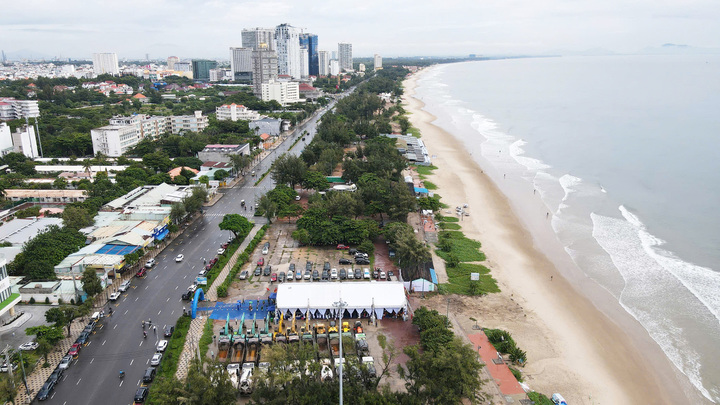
pixel 74 350
pixel 140 272
pixel 261 261
pixel 213 261
pixel 273 277
pixel 224 245
pixel 343 247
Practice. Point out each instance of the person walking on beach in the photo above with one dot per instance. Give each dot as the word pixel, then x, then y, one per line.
pixel 551 278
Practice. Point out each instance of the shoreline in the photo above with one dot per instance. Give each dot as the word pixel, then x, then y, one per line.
pixel 565 333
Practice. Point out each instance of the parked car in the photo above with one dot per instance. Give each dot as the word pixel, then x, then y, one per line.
pixel 307 275
pixel 221 251
pixel 225 245
pixel 342 247
pixel 390 275
pixel 83 338
pixel 140 395
pixel 326 266
pixel 358 273
pixel 203 273
pixel 366 273
pixel 315 275
pixel 114 296
pixel 149 375
pixel 4 367
pixel 267 270
pixel 29 346
pixel 376 274
pixel 273 277
pixel 156 358
pixel 162 345
pixel 281 277
pixel 261 261
pixel 192 288
pixel 308 265
pixel 46 390
pixel 266 248
pixel 75 349
pixel 179 258
pixel 213 261
pixel 352 251
pixel 325 275
pixel 56 374
pixel 187 296
pixel 362 261
pixel 258 271
pixel 299 276
pixel 382 275
pixel 343 274
pixel 297 197
pixel 350 274
pixel 334 274
pixel 290 275
pixel 345 261
pixel 140 273
pixel 243 275
pixel 124 286
pixel 65 362
pixel 169 331
pixel 150 263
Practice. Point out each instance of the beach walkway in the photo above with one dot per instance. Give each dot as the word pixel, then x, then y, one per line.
pixel 500 372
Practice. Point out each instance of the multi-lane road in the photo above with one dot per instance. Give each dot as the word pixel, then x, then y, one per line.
pixel 119 344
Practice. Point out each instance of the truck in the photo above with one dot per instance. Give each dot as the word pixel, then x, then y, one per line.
pixel 369 363
pixel 326 373
pixel 361 345
pixel 266 338
pixel 334 344
pixel 280 336
pixel 238 343
pixel 321 338
pixel 292 335
pixel 306 335
pixel 246 378
pixel 223 348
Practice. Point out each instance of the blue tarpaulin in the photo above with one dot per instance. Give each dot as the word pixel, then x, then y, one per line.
pixel 222 310
pixel 421 190
pixel 120 250
pixel 433 276
pixel 162 234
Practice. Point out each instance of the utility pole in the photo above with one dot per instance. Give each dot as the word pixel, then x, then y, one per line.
pixel 22 366
pixel 340 304
pixel 9 364
pixel 447 314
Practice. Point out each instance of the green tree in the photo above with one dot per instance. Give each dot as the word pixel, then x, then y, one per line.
pixel 204 180
pixel 220 175
pixel 62 316
pixel 268 207
pixel 181 180
pixel 241 163
pixel 314 180
pixel 235 223
pixel 77 217
pixel 60 183
pixel 177 212
pixel 53 334
pixel 91 283
pixel 289 169
pixel 39 270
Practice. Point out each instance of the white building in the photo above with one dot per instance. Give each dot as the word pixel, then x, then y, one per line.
pixel 334 67
pixel 287 40
pixel 25 142
pixel 7 298
pixel 188 123
pixel 6 144
pixel 345 57
pixel 378 62
pixel 114 140
pixel 323 63
pixel 234 112
pixel 283 92
pixel 105 63
pixel 254 38
pixel 13 109
pixel 304 62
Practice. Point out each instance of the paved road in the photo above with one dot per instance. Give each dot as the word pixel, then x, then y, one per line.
pixel 119 343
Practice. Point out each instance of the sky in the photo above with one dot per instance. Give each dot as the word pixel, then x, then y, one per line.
pixel 196 28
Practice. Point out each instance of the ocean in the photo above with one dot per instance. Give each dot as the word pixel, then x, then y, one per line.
pixel 624 153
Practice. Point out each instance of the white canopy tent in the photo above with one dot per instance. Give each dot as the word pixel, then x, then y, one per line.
pixel 374 297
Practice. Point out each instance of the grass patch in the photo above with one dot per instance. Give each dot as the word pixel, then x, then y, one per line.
pixel 223 259
pixel 446 226
pixel 206 337
pixel 242 259
pixel 516 373
pixel 464 248
pixel 425 170
pixel 10 299
pixel 459 280
pixel 430 185
pixel 414 132
pixel 539 398
pixel 446 219
pixel 169 364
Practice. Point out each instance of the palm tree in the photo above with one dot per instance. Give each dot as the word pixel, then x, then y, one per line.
pixel 87 164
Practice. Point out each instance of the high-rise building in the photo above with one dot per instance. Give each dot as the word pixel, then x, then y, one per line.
pixel 201 68
pixel 171 61
pixel 345 58
pixel 105 63
pixel 8 300
pixel 378 62
pixel 323 63
pixel 264 68
pixel 287 41
pixel 254 37
pixel 241 64
pixel 304 62
pixel 333 55
pixel 334 67
pixel 310 41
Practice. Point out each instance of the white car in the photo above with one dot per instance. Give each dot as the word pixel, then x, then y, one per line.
pixel 334 274
pixel 290 275
pixel 192 287
pixel 221 251
pixel 266 248
pixel 155 361
pixel 124 286
pixel 65 362
pixel 29 346
pixel 297 197
pixel 150 263
pixel 179 258
pixel 203 273
pixel 114 296
pixel 162 345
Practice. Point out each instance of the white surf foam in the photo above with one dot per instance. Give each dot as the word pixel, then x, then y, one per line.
pixel 653 294
pixel 518 153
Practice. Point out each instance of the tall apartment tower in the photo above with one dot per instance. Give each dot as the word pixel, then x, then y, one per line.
pixel 310 41
pixel 323 63
pixel 105 63
pixel 241 64
pixel 253 37
pixel 264 68
pixel 378 62
pixel 171 61
pixel 345 58
pixel 304 62
pixel 287 41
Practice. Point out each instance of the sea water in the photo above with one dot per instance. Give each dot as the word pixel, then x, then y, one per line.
pixel 624 152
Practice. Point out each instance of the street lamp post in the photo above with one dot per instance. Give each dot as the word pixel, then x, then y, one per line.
pixel 340 304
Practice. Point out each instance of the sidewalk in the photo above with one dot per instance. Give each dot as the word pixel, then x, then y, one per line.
pixel 197 325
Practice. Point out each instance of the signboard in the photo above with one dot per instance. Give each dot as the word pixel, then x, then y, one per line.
pixel 201 280
pixel 474 276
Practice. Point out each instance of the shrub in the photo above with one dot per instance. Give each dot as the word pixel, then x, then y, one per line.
pixel 47 300
pixel 32 300
pixel 366 247
pixel 222 290
pixel 516 373
pixel 540 399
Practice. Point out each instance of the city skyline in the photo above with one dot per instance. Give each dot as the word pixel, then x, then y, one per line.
pixel 77 30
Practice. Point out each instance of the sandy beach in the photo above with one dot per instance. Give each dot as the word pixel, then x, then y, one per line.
pixel 590 355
